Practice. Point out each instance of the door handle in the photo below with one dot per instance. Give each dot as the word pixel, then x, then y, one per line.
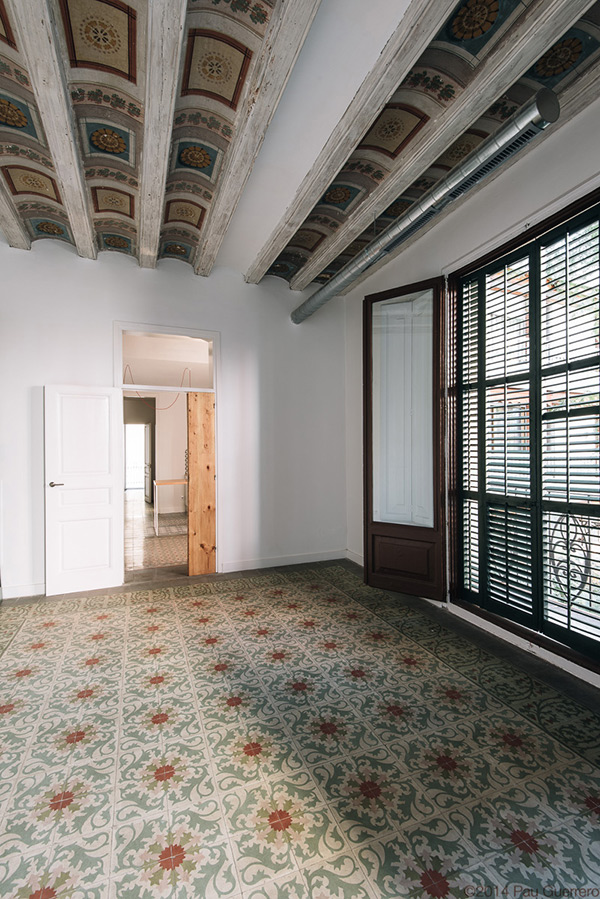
pixel 52 484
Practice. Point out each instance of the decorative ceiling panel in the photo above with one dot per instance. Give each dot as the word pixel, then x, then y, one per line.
pixel 215 66
pixel 432 92
pixel 148 149
pixel 102 35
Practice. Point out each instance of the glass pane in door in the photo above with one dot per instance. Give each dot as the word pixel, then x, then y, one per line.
pixel 402 418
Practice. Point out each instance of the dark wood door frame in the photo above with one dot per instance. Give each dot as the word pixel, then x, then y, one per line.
pixel 406 558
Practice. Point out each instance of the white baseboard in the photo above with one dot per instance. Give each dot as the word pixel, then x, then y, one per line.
pixel 22 591
pixel 250 564
pixel 355 557
pixel 541 652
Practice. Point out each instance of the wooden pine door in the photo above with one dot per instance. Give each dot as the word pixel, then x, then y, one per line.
pixel 201 484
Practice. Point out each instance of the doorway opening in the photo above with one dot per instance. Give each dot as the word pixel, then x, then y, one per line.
pixel 155 452
pixel 168 387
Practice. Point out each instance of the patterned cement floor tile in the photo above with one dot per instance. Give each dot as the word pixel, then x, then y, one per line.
pixel 287 735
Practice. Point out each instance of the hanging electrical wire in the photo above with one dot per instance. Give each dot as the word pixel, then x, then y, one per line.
pixel 139 395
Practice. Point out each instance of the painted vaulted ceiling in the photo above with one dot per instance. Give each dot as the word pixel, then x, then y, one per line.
pixel 134 127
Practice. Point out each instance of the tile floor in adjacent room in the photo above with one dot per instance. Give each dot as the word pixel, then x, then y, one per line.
pixel 144 549
pixel 290 734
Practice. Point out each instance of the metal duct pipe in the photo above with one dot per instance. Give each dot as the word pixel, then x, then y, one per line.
pixel 524 125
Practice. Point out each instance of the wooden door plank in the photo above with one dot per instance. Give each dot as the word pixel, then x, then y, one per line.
pixel 201 490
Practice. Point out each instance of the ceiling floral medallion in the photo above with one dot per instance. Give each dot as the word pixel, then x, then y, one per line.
pixel 100 35
pixel 559 58
pixel 119 243
pixel 474 19
pixel 11 115
pixel 50 228
pixel 197 157
pixel 214 67
pixel 108 140
pixel 337 195
pixel 389 129
pixel 34 182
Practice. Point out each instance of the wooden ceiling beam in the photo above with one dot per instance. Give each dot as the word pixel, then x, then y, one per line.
pixel 543 22
pixel 287 30
pixel 39 38
pixel 422 19
pixel 577 97
pixel 11 224
pixel 166 31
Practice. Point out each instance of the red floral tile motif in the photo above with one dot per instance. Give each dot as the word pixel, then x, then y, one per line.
pixel 370 790
pixel 280 821
pixel 252 751
pixel 329 645
pixel 447 764
pixel 204 619
pixel 153 651
pixel 394 711
pixel 166 773
pixel 92 662
pixel 232 703
pixel 160 718
pixel 217 668
pixel 329 730
pixel 23 673
pixel 435 884
pixel 152 628
pixel 9 709
pixel 60 881
pixel 262 632
pixel 75 737
pixel 592 805
pixel 300 687
pixel 275 592
pixel 358 674
pixel 102 617
pixel 279 655
pixel 524 842
pixel 377 637
pixel 62 803
pixel 49 624
pixel 514 744
pixel 211 641
pixel 85 694
pixel 452 696
pixel 199 603
pixel 157 680
pixel 172 858
pixel 39 644
pixel 410 662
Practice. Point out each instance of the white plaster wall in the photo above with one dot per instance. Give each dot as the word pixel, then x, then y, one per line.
pixel 280 397
pixel 171 444
pixel 562 168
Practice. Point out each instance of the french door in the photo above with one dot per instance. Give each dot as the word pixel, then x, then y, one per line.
pixel 528 423
pixel 404 539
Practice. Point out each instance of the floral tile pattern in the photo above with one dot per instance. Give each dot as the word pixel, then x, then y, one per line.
pixel 289 735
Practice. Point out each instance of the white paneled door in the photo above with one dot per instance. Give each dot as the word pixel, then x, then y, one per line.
pixel 84 488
